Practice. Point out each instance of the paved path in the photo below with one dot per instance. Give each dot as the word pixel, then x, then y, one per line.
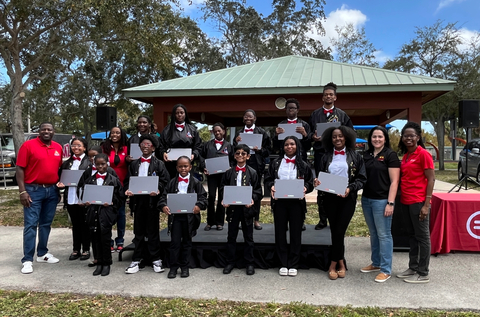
pixel 453 285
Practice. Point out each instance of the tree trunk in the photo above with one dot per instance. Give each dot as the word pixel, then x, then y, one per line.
pixel 16 112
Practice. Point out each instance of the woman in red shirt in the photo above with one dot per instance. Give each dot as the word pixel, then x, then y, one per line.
pixel 416 187
pixel 116 149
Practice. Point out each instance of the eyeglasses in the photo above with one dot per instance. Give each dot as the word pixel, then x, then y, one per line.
pixel 291 108
pixel 409 136
pixel 145 144
pixel 241 153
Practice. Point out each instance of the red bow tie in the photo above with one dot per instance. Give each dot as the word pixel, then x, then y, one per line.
pixel 292 121
pixel 100 176
pixel 181 179
pixel 325 111
pixel 179 125
pixel 290 160
pixel 248 130
pixel 218 142
pixel 94 168
pixel 243 169
pixel 143 160
pixel 342 152
pixel 76 158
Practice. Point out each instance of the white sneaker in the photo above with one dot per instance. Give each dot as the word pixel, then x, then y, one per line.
pixel 133 268
pixel 27 267
pixel 292 272
pixel 47 258
pixel 157 266
pixel 283 271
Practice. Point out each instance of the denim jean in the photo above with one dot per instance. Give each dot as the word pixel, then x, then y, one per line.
pixel 381 240
pixel 121 222
pixel 39 215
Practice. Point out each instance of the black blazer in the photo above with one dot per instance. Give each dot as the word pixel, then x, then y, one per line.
pixel 251 179
pixel 303 172
pixel 194 186
pixel 318 116
pixel 67 165
pixel 157 168
pixel 209 150
pixel 188 138
pixel 264 151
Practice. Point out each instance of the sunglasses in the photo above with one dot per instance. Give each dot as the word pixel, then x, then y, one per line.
pixel 241 153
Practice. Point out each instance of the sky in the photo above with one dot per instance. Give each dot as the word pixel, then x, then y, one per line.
pixel 388 23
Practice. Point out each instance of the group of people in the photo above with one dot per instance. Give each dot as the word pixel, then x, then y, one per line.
pixel 378 172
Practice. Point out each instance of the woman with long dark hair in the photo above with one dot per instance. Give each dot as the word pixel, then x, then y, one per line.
pixel 179 133
pixel 78 160
pixel 378 199
pixel 289 213
pixel 115 147
pixel 416 187
pixel 341 159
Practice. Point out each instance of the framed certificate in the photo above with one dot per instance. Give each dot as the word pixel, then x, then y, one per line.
pixel 181 203
pixel 252 140
pixel 321 127
pixel 135 151
pixel 333 184
pixel 143 185
pixel 289 130
pixel 217 165
pixel 289 188
pixel 237 195
pixel 174 154
pixel 97 195
pixel 71 178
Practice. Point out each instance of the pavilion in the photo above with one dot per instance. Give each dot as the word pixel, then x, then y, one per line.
pixel 368 95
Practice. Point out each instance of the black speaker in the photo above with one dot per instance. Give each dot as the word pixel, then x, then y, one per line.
pixel 468 113
pixel 106 118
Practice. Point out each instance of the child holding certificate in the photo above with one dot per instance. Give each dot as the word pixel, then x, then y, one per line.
pixel 183 226
pixel 241 175
pixel 146 215
pixel 101 218
pixel 289 213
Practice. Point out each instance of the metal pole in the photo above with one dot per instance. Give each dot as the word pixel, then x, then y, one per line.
pixel 3 161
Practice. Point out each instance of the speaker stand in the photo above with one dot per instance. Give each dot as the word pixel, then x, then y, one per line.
pixel 465 179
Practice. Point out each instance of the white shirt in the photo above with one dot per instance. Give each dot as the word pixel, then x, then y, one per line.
pixel 218 145
pixel 182 186
pixel 328 114
pixel 72 191
pixel 100 181
pixel 339 164
pixel 180 129
pixel 287 170
pixel 143 169
pixel 239 176
pixel 249 132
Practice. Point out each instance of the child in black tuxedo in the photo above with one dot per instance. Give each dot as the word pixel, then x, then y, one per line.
pixel 183 226
pixel 146 215
pixel 101 218
pixel 241 175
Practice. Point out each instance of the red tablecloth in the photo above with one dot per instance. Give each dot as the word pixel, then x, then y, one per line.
pixel 455 222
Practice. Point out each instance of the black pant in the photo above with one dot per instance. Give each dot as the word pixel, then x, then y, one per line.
pixel 215 217
pixel 289 214
pixel 181 244
pixel 322 214
pixel 80 231
pixel 101 245
pixel 238 217
pixel 252 162
pixel 339 212
pixel 147 234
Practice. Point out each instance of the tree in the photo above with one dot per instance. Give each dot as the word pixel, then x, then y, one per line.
pixel 40 38
pixel 432 53
pixel 352 46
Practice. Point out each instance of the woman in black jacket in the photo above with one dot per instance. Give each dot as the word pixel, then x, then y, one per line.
pixel 289 213
pixel 341 159
pixel 180 133
pixel 81 237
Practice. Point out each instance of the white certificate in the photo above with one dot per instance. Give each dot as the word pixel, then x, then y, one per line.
pixel 289 130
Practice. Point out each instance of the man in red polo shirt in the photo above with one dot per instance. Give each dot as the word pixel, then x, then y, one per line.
pixel 38 162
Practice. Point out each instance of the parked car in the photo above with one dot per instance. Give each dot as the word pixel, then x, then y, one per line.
pixel 470 152
pixel 8 157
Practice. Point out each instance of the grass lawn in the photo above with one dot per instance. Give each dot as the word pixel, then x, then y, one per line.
pixel 16 303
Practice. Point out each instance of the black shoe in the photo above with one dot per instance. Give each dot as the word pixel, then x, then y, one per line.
pixel 207 228
pixel 75 255
pixel 219 227
pixel 172 273
pixel 257 227
pixel 304 227
pixel 320 225
pixel 98 270
pixel 92 264
pixel 250 270
pixel 106 270
pixel 185 272
pixel 228 269
pixel 85 256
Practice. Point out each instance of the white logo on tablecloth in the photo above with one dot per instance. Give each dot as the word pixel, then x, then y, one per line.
pixel 476 225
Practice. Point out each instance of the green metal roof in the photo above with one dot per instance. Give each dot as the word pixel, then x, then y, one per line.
pixel 292 75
